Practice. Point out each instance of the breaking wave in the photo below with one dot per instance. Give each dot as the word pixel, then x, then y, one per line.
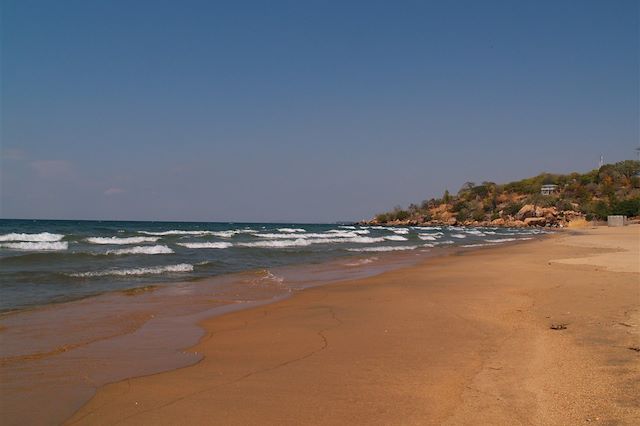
pixel 37 246
pixel 159 249
pixel 206 245
pixel 43 236
pixel 290 230
pixel 384 248
pixel 122 241
pixel 395 238
pixel 176 232
pixel 426 237
pixel 182 267
pixel 278 243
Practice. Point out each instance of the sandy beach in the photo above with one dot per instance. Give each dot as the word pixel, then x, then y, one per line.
pixel 542 332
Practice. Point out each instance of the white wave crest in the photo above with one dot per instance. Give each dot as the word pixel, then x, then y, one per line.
pixel 37 246
pixel 181 267
pixel 401 231
pixel 506 240
pixel 206 245
pixel 121 241
pixel 427 237
pixel 333 235
pixel 43 236
pixel 291 230
pixel 158 249
pixel 278 243
pixel 458 236
pixel 176 232
pixel 476 245
pixel 384 248
pixel 395 238
pixel 303 242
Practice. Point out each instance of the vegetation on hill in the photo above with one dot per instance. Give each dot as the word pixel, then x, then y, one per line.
pixel 612 189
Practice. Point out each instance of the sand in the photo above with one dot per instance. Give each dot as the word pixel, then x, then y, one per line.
pixel 461 339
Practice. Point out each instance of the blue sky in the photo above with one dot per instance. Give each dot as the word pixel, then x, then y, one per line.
pixel 310 111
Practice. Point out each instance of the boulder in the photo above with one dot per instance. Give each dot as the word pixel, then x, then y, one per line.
pixel 535 221
pixel 528 210
pixel 497 222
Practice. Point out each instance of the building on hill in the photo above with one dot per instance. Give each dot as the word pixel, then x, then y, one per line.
pixel 548 189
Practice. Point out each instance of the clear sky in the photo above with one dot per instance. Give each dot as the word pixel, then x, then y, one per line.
pixel 310 111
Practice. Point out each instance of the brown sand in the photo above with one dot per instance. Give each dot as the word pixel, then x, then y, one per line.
pixel 462 339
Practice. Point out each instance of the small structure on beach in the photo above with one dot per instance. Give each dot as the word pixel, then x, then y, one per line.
pixel 616 220
pixel 548 189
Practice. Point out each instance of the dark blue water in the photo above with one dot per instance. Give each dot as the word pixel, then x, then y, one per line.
pixel 48 261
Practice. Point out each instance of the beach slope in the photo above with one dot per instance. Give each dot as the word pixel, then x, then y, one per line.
pixel 543 332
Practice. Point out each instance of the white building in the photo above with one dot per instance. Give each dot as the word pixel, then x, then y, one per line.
pixel 548 189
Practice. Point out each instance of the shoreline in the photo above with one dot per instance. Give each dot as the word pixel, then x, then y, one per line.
pixel 205 318
pixel 329 310
pixel 144 322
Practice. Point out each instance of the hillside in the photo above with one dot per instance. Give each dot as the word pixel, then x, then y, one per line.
pixel 612 189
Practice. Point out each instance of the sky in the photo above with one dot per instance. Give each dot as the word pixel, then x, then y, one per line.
pixel 303 111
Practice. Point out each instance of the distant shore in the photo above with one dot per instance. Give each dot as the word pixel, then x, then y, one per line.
pixel 543 332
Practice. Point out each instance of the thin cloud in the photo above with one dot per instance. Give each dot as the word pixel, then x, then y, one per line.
pixel 12 154
pixel 114 191
pixel 51 168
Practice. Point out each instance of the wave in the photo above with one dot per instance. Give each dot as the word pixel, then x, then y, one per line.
pixel 43 236
pixel 223 234
pixel 333 235
pixel 159 249
pixel 121 241
pixel 395 238
pixel 349 232
pixel 428 245
pixel 362 261
pixel 278 243
pixel 303 242
pixel 384 248
pixel 206 245
pixel 401 231
pixel 37 246
pixel 176 232
pixel 290 230
pixel 182 267
pixel 458 236
pixel 505 240
pixel 427 237
pixel 475 232
pixel 476 245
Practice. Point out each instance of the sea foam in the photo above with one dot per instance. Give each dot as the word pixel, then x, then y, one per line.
pixel 182 267
pixel 122 241
pixel 206 245
pixel 37 246
pixel 158 249
pixel 176 232
pixel 43 236
pixel 395 238
pixel 384 248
